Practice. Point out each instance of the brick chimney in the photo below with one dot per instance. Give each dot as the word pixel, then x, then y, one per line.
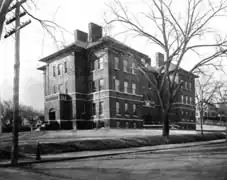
pixel 80 38
pixel 95 32
pixel 159 59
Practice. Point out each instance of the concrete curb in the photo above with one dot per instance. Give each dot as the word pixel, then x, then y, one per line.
pixel 124 151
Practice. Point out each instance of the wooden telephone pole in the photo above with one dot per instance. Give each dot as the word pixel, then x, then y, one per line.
pixel 0 114
pixel 16 117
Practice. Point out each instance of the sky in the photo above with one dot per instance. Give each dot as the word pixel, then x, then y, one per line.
pixel 70 14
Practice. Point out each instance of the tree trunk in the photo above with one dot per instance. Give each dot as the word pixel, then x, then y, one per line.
pixel 165 121
pixel 201 123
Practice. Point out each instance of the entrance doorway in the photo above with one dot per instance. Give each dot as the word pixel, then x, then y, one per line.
pixel 52 114
pixel 53 124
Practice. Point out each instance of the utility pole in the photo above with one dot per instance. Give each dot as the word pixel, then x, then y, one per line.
pixel 0 114
pixel 16 117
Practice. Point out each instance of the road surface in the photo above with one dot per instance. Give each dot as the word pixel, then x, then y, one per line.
pixel 192 163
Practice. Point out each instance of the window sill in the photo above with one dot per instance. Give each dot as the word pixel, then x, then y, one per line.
pixel 132 94
pixel 118 114
pixel 129 72
pixel 117 69
pixel 96 70
pixel 148 106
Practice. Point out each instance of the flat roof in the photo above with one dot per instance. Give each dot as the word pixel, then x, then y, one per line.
pixel 69 48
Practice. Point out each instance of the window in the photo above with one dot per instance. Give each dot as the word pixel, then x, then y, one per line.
pixel 182 85
pixel 59 69
pixel 117 108
pixel 60 88
pixel 101 63
pixel 116 63
pixel 93 109
pixel 149 85
pixel 190 85
pixel 125 66
pixel 186 85
pixel 186 99
pixel 92 87
pixel 143 61
pixel 125 86
pixel 54 71
pixel 117 85
pixel 118 124
pixel 134 109
pixel 65 65
pixel 126 125
pixel 66 87
pixel 133 88
pixel 101 84
pixel 134 125
pixel 182 99
pixel 191 100
pixel 182 112
pixel 177 78
pixel 92 65
pixel 96 64
pixel 101 107
pixel 186 113
pixel 54 88
pixel 126 107
pixel 133 68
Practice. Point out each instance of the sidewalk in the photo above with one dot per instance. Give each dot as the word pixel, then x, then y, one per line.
pixel 92 154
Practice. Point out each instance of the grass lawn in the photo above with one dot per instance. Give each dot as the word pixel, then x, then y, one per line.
pixel 81 134
pixel 211 127
pixel 53 142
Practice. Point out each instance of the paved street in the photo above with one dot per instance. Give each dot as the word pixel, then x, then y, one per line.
pixel 198 162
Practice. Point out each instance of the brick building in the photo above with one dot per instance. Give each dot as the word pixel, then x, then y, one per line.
pixel 184 110
pixel 215 114
pixel 92 82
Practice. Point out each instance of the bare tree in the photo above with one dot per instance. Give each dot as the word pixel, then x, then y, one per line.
pixel 208 92
pixel 49 27
pixel 177 34
pixel 25 112
pixel 7 113
pixel 4 6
